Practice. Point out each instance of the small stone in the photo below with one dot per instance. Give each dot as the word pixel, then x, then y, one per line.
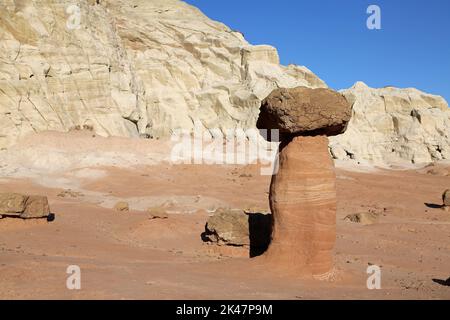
pixel 70 193
pixel 365 218
pixel 122 206
pixel 157 213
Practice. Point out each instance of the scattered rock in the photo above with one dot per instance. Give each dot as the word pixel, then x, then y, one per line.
pixel 12 204
pixel 365 218
pixel 157 213
pixel 36 207
pixel 228 227
pixel 122 206
pixel 24 206
pixel 70 193
pixel 235 227
pixel 446 198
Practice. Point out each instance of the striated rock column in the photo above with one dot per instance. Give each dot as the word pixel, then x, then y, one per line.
pixel 303 201
pixel 303 191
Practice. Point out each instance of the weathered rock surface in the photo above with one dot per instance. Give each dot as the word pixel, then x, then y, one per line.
pixel 303 110
pixel 228 227
pixel 391 126
pixel 148 67
pixel 240 228
pixel 140 68
pixel 303 204
pixel 24 206
pixel 36 207
pixel 446 198
pixel 12 204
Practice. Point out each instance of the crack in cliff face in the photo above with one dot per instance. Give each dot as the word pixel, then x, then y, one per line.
pixel 136 85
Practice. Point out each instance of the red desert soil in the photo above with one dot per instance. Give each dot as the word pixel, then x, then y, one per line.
pixel 128 256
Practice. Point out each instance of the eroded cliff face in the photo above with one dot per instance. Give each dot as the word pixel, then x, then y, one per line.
pixel 148 67
pixel 394 126
pixel 132 68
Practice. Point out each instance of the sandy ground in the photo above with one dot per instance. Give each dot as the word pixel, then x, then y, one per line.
pixel 128 256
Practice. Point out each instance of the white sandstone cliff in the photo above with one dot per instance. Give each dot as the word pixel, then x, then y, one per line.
pixel 394 126
pixel 148 67
pixel 133 68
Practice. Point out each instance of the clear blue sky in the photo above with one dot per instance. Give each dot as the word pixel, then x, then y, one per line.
pixel 330 37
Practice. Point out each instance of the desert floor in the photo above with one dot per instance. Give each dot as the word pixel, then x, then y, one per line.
pixel 125 255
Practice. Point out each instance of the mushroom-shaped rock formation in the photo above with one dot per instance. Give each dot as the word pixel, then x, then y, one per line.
pixel 303 190
pixel 304 111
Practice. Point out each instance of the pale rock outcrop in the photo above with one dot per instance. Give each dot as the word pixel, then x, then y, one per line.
pixel 394 126
pixel 303 190
pixel 148 67
pixel 132 68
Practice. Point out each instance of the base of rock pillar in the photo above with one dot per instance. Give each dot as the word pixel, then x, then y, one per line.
pixel 303 203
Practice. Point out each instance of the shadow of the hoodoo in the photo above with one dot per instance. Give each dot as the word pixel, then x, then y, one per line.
pixel 434 205
pixel 442 282
pixel 260 232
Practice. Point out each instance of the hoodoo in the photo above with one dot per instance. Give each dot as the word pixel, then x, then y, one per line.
pixel 303 190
